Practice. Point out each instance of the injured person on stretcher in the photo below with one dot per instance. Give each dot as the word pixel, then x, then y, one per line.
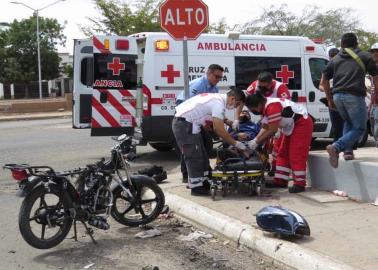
pixel 246 131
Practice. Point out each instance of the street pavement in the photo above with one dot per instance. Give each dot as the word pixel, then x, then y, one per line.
pixel 53 142
pixel 341 229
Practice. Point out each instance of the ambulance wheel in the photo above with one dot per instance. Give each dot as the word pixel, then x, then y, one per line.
pixel 163 147
pixel 213 192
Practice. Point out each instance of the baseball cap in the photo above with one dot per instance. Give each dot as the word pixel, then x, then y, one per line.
pixel 374 47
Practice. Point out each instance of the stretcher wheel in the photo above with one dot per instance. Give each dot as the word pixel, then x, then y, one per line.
pixel 213 192
pixel 259 190
pixel 224 190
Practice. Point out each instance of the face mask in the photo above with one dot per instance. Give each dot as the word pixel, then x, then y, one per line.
pixel 230 107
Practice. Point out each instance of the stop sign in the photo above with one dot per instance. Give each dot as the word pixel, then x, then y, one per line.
pixel 184 18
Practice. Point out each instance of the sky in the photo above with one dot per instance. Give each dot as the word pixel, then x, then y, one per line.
pixel 73 13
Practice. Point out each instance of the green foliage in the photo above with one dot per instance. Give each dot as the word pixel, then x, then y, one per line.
pixel 219 27
pixel 121 18
pixel 18 53
pixel 312 23
pixel 67 70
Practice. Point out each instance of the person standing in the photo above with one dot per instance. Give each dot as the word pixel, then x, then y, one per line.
pixel 204 84
pixel 374 98
pixel 296 126
pixel 336 120
pixel 273 89
pixel 190 116
pixel 348 71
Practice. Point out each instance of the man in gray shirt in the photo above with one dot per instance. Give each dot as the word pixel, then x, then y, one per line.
pixel 348 70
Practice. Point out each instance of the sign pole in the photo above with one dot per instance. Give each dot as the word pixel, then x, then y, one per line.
pixel 186 68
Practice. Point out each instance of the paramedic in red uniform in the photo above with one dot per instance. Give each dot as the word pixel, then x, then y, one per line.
pixel 274 89
pixel 296 126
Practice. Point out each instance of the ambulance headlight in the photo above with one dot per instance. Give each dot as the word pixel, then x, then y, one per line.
pixel 161 45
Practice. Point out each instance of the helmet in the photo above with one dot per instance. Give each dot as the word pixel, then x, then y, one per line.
pixel 374 47
pixel 283 221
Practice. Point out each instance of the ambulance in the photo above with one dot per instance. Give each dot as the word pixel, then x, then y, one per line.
pixel 108 70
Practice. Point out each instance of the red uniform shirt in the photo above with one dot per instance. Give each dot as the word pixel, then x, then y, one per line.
pixel 273 112
pixel 278 89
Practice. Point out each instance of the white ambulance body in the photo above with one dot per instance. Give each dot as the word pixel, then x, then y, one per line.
pixel 106 77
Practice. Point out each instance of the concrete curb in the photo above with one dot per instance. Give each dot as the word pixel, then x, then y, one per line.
pixel 33 117
pixel 283 251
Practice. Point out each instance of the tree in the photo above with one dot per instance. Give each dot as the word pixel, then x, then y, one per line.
pixel 312 23
pixel 124 19
pixel 219 27
pixel 18 53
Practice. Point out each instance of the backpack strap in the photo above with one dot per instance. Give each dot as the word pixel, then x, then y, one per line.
pixel 356 58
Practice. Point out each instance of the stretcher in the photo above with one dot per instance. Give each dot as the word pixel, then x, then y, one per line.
pixel 233 173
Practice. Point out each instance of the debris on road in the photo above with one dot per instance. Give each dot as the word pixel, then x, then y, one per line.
pixel 340 193
pixel 194 236
pixel 148 234
pixel 89 265
pixel 12 251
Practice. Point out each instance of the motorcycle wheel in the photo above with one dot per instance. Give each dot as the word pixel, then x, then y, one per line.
pixel 145 208
pixel 44 220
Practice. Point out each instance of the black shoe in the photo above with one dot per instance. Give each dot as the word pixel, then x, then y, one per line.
pixel 200 191
pixel 296 189
pixel 185 178
pixel 151 170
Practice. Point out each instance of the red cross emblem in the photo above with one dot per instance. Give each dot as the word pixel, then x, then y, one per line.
pixel 116 66
pixel 285 74
pixel 170 74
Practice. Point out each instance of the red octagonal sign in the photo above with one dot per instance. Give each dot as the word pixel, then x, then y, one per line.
pixel 184 18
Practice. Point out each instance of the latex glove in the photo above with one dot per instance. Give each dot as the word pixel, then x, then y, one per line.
pixel 277 135
pixel 240 145
pixel 252 144
pixel 235 125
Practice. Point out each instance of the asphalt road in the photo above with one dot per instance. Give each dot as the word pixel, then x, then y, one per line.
pixel 54 143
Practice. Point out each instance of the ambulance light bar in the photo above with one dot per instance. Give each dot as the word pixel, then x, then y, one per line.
pixel 310 48
pixel 107 43
pixel 122 44
pixel 161 45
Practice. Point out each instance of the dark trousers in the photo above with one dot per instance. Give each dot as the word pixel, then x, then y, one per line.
pixel 337 124
pixel 207 142
pixel 193 151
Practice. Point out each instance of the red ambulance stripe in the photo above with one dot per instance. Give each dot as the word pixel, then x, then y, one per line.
pixel 95 124
pixel 126 93
pixel 147 92
pixel 302 99
pixel 97 43
pixel 108 117
pixel 156 101
pixel 119 107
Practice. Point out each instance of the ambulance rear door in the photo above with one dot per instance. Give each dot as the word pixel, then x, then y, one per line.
pixel 83 82
pixel 114 85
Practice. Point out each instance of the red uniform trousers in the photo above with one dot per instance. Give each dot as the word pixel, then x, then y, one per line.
pixel 293 154
pixel 276 147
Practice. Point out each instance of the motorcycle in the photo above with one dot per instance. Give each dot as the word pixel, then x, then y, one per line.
pixel 53 204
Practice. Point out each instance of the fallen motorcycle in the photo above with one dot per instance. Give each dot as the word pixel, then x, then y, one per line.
pixel 53 204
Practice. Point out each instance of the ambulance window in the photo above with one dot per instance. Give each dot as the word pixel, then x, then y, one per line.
pixel 86 75
pixel 284 69
pixel 317 65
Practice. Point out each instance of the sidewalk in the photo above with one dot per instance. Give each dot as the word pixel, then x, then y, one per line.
pixel 343 232
pixel 34 116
